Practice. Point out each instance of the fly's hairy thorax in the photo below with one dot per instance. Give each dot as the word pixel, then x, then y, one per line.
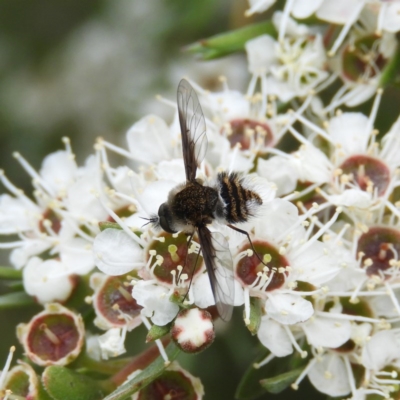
pixel 239 202
pixel 195 204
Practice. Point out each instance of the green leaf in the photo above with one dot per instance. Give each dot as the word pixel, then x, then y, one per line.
pixel 16 299
pixel 145 377
pixel 42 394
pixel 255 315
pixel 109 225
pixel 280 382
pixel 229 42
pixel 250 388
pixel 64 384
pixel 15 285
pixel 10 273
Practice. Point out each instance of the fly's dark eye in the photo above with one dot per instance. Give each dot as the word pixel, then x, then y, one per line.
pixel 165 217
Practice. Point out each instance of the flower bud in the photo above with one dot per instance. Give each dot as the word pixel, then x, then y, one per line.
pixel 193 330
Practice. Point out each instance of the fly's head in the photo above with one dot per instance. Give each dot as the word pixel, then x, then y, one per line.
pixel 165 218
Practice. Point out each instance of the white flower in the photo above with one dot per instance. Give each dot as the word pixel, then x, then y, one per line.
pixel 359 65
pixel 294 257
pixel 155 302
pixel 47 280
pixel 291 67
pixel 358 172
pixel 112 343
pixel 62 219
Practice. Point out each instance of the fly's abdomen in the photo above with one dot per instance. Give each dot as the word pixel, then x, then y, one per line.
pixel 239 201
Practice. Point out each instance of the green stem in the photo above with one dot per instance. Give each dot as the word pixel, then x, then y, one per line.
pixel 146 376
pixel 139 362
pixel 390 73
pixel 10 273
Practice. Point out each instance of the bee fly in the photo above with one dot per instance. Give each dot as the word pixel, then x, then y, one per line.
pixel 191 206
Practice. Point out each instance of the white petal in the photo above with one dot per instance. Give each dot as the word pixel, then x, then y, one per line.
pixel 350 132
pixel 20 256
pixel 304 8
pixel 279 216
pixel 338 11
pixel 82 200
pixel 274 337
pixel 288 309
pixel 280 88
pixel 280 171
pixel 229 104
pixel 292 27
pixel 202 292
pixel 311 164
pixel 47 280
pixel 352 198
pixel 173 170
pixel 59 170
pixel 259 6
pixel 260 54
pixel 383 306
pixel 360 333
pixel 380 351
pixel 150 140
pixel 154 195
pixel 115 253
pixel 127 181
pixel 111 343
pixel 16 215
pixel 329 376
pixel 391 17
pixel 326 332
pixel 315 265
pixel 348 277
pixel 77 255
pixel 388 44
pixel 155 302
pixel 361 93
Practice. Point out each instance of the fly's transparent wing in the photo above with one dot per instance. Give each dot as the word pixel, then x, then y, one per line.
pixel 218 260
pixel 193 128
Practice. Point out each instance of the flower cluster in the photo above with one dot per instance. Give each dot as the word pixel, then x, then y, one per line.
pixel 315 267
